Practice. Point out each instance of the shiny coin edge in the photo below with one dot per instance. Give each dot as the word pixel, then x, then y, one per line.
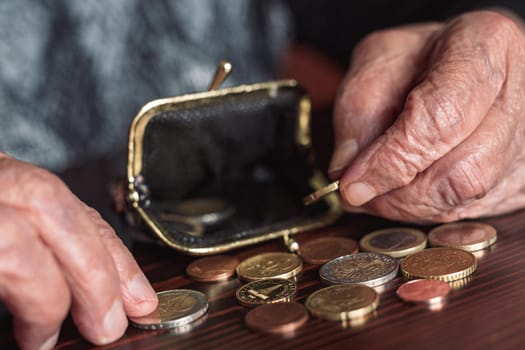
pixel 180 321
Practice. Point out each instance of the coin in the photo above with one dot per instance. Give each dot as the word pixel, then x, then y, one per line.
pixel 176 308
pixel 342 302
pixel 183 225
pixel 424 291
pixel 445 264
pixel 320 193
pixel 369 269
pixel 279 318
pixel 460 284
pixel 205 210
pixel 396 242
pixel 266 291
pixel 212 268
pixel 469 236
pixel 270 265
pixel 321 250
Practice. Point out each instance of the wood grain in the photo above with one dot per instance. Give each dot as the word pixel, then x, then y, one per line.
pixel 489 312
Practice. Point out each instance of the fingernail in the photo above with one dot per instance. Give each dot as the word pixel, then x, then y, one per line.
pixel 114 324
pixel 342 156
pixel 359 193
pixel 140 288
pixel 50 342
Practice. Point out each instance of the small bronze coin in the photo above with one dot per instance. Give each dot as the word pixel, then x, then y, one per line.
pixel 424 291
pixel 278 318
pixel 342 302
pixel 321 250
pixel 266 291
pixel 396 241
pixel 469 236
pixel 176 308
pixel 445 264
pixel 212 268
pixel 270 265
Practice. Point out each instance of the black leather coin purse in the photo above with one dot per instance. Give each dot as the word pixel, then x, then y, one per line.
pixel 221 169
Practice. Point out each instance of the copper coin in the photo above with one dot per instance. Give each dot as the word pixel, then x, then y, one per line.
pixel 423 291
pixel 278 318
pixel 212 268
pixel 445 264
pixel 470 236
pixel 321 250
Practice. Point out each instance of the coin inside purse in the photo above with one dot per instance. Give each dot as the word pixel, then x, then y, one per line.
pixel 217 170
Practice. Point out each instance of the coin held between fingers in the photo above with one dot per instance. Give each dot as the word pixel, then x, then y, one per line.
pixel 320 193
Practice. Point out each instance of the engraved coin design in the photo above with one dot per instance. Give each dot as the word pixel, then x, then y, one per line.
pixel 469 236
pixel 320 193
pixel 396 242
pixel 342 302
pixel 176 308
pixel 424 291
pixel 321 250
pixel 266 291
pixel 270 265
pixel 370 269
pixel 279 318
pixel 445 264
pixel 212 268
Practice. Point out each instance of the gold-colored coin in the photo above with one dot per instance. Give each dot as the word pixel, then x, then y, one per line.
pixel 342 302
pixel 266 291
pixel 445 264
pixel 469 236
pixel 270 265
pixel 176 308
pixel 320 193
pixel 396 242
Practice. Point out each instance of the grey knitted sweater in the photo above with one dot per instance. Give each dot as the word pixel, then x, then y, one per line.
pixel 74 73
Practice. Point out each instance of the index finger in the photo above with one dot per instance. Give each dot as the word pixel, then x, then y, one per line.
pixel 440 113
pixel 65 227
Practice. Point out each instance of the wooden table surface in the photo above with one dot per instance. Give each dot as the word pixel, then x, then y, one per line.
pixel 487 313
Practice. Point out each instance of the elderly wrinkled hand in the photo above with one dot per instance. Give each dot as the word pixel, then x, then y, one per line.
pixel 58 255
pixel 430 121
